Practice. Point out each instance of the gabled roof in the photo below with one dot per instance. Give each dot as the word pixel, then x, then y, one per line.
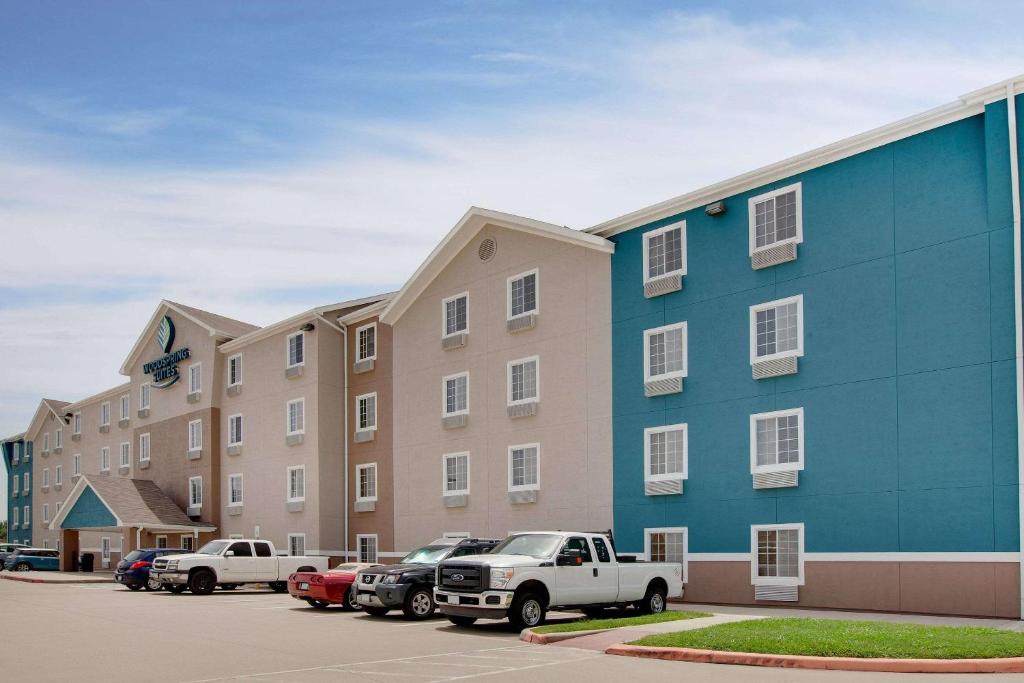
pixel 216 325
pixel 13 437
pixel 47 405
pixel 132 502
pixel 463 232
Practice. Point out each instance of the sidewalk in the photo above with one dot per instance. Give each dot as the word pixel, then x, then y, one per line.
pixel 58 577
pixel 602 640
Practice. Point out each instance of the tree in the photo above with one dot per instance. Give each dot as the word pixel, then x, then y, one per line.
pixel 3 530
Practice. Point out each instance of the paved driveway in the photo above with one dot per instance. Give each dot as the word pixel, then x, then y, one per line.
pixel 103 632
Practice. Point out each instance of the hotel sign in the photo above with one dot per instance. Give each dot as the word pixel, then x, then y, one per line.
pixel 165 368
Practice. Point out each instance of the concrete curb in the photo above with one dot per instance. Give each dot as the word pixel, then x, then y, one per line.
pixel 33 579
pixel 529 636
pixel 682 654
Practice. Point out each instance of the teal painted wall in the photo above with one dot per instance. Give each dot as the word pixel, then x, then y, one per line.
pixel 23 467
pixel 88 512
pixel 907 380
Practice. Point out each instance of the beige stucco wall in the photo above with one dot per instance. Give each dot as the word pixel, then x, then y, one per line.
pixel 572 339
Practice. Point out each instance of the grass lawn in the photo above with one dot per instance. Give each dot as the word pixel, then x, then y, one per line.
pixel 595 624
pixel 837 638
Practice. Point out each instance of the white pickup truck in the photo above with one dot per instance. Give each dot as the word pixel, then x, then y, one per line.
pixel 530 573
pixel 229 563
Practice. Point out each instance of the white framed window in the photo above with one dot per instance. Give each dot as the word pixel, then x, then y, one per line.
pixel 105 414
pixel 187 542
pixel 46 542
pixel 58 438
pixel 665 352
pixel 296 416
pixel 59 506
pixel 46 477
pixel 776 217
pixel 295 348
pixel 455 394
pixel 126 406
pixel 234 489
pixel 777 329
pixel 366 545
pixel 524 380
pixel 296 544
pixel 366 482
pixel 26 483
pixel 17 453
pixel 366 342
pixel 105 459
pixel 46 513
pixel 26 516
pixel 46 442
pixel 524 467
pixel 195 492
pixel 58 475
pixel 105 548
pixel 667 544
pixel 76 423
pixel 235 430
pixel 126 454
pixel 195 435
pixel 144 394
pixel 235 370
pixel 76 464
pixel 455 314
pixel 665 251
pixel 522 295
pixel 195 378
pixel 15 484
pixel 144 444
pixel 366 412
pixel 456 474
pixel 14 516
pixel 161 541
pixel 777 441
pixel 666 453
pixel 296 484
pixel 777 554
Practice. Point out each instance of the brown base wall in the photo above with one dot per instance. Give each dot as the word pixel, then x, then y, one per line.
pixel 977 589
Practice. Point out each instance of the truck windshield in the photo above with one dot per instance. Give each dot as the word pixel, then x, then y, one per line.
pixel 430 554
pixel 213 548
pixel 534 545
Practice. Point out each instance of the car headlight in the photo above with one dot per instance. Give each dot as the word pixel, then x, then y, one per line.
pixel 501 576
pixel 391 578
pixel 172 565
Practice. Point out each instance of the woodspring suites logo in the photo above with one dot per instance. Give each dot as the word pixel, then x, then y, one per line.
pixel 165 369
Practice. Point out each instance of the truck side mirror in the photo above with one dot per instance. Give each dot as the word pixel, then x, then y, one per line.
pixel 229 553
pixel 569 558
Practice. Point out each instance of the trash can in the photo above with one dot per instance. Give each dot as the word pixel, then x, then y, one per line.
pixel 87 562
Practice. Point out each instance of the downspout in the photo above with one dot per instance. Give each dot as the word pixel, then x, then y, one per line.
pixel 344 438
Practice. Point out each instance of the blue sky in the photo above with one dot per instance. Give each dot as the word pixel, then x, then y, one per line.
pixel 261 158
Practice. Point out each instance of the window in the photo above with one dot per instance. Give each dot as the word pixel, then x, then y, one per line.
pixel 58 475
pixel 665 352
pixel 241 549
pixel 777 554
pixel 296 544
pixel 777 441
pixel 366 482
pixel 235 370
pixel 104 414
pixel 456 474
pixel 367 547
pixel 454 312
pixel 366 412
pixel 235 430
pixel 667 545
pixel 126 406
pixel 76 422
pixel 105 459
pixel 366 342
pixel 14 517
pixel 76 464
pixel 777 329
pixel 59 506
pixel 17 453
pixel 580 545
pixel 126 454
pixel 26 516
pixel 523 380
pixel 195 492
pixel 161 541
pixel 524 467
pixel 665 251
pixel 603 555
pixel 262 549
pixel 58 441
pixel 775 217
pixel 456 394
pixel 296 484
pixel 187 542
pixel 235 489
pixel 296 416
pixel 26 483
pixel 195 435
pixel 665 453
pixel 144 391
pixel 46 477
pixel 522 294
pixel 195 378
pixel 144 442
pixel 105 548
pixel 46 442
pixel 296 349
pixel 15 484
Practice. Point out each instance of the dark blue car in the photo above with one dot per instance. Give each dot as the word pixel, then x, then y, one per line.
pixel 133 570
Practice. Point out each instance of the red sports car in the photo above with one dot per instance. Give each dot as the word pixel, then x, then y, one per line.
pixel 330 588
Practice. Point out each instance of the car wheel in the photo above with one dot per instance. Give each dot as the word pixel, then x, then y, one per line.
pixel 654 601
pixel 419 604
pixel 376 611
pixel 202 582
pixel 153 585
pixel 462 621
pixel 319 604
pixel 527 611
pixel 23 567
pixel 279 586
pixel 348 601
pixel 176 588
pixel 133 586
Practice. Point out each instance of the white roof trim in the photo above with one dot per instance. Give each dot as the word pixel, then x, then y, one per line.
pixel 73 497
pixel 37 416
pixel 165 304
pixel 106 393
pixel 968 105
pixel 364 313
pixel 459 236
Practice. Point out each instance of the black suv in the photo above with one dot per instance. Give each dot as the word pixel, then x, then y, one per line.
pixel 409 585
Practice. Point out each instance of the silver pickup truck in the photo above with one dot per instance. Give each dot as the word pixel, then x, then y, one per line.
pixel 530 573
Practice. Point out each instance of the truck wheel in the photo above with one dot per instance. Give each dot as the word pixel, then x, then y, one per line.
pixel 348 601
pixel 462 621
pixel 376 611
pixel 202 582
pixel 176 588
pixel 279 586
pixel 419 604
pixel 653 602
pixel 527 611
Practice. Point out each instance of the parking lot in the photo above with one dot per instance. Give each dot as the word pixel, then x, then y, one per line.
pixel 102 632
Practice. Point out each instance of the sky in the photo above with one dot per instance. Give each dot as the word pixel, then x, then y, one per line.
pixel 259 158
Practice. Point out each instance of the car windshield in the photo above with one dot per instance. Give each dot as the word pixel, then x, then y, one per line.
pixel 427 555
pixel 133 555
pixel 213 548
pixel 533 545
